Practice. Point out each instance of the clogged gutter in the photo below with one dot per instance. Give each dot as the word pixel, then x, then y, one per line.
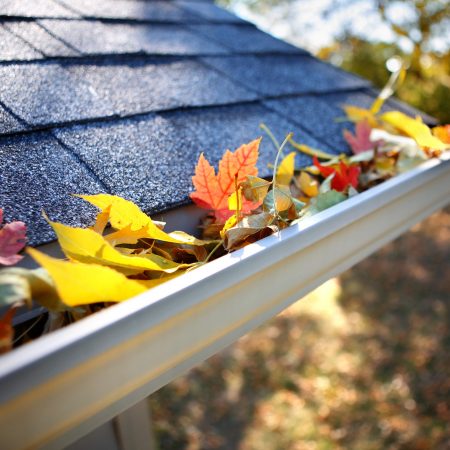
pixel 136 254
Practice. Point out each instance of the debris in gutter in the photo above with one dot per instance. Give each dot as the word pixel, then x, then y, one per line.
pixel 108 265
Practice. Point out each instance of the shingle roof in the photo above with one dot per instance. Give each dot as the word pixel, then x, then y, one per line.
pixel 121 96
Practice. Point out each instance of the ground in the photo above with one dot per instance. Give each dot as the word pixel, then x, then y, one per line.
pixel 360 363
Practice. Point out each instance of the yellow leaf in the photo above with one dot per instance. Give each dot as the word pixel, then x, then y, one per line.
pixel 285 170
pixel 185 238
pixel 126 236
pixel 278 199
pixel 81 284
pixel 101 221
pixel 308 184
pixel 124 213
pixel 235 200
pixel 148 284
pixel 230 223
pixel 307 150
pixel 86 245
pixel 356 114
pixel 414 128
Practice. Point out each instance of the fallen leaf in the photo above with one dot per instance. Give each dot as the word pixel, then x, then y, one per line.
pixel 408 161
pixel 385 165
pixel 249 229
pixel 124 214
pixel 279 199
pixel 24 285
pixel 87 246
pixel 394 142
pixel 12 240
pixel 442 133
pixel 255 189
pixel 324 201
pixel 184 238
pixel 343 175
pixel 307 150
pixel 356 114
pixel 285 171
pixel 126 236
pixel 212 191
pixel 230 223
pixel 235 200
pixel 82 284
pixel 6 331
pixel 360 141
pixel 149 284
pixel 307 184
pixel 414 128
pixel 101 221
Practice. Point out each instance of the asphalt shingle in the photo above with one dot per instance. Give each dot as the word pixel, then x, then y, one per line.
pixel 35 8
pixel 208 11
pixel 9 124
pixel 53 94
pixel 274 75
pixel 137 87
pixel 158 11
pixel 103 38
pixel 317 115
pixel 244 39
pixel 13 47
pixel 40 39
pixel 366 97
pixel 41 175
pixel 151 160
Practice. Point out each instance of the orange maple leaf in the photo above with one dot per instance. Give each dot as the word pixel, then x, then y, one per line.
pixel 212 191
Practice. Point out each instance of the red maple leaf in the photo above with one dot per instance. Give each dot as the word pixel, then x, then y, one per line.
pixel 344 175
pixel 212 191
pixel 12 240
pixel 360 141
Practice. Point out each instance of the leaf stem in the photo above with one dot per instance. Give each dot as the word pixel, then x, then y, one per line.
pixel 275 168
pixel 213 251
pixel 238 198
pixel 27 330
pixel 274 140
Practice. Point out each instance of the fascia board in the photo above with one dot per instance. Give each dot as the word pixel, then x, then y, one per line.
pixel 61 386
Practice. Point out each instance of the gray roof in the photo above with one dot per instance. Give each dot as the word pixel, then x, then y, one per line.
pixel 121 96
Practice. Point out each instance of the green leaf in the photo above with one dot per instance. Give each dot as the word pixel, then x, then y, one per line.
pixel 324 201
pixel 25 285
pixel 13 289
pixel 278 200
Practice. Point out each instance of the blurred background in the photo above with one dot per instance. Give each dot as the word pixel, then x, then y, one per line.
pixel 362 362
pixel 360 35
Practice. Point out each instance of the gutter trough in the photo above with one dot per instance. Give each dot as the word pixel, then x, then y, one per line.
pixel 60 387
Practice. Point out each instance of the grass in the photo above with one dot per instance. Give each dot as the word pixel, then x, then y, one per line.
pixel 360 363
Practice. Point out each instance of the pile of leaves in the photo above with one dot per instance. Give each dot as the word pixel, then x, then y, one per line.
pixel 125 252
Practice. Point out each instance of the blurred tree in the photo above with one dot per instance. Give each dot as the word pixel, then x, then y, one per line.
pixel 422 26
pixel 419 31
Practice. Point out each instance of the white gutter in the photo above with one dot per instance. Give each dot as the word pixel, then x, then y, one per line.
pixel 63 385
